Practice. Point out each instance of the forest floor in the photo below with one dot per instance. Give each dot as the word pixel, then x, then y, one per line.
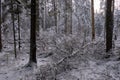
pixel 79 67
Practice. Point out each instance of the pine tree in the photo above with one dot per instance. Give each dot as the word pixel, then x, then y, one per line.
pixel 92 16
pixel 109 25
pixel 18 15
pixel 37 14
pixel 12 16
pixel 32 58
pixel 54 2
pixel 68 17
pixel 0 29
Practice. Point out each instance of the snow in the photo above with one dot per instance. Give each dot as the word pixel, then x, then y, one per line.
pixel 89 63
pixel 105 71
pixel 85 66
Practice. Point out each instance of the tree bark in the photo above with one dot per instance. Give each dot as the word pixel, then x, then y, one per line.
pixel 0 29
pixel 32 58
pixel 92 17
pixel 55 13
pixel 19 38
pixel 12 15
pixel 68 17
pixel 44 15
pixel 109 25
pixel 37 14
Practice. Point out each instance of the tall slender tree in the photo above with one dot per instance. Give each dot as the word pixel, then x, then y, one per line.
pixel 54 2
pixel 18 15
pixel 32 58
pixel 68 17
pixel 37 14
pixel 109 25
pixel 92 17
pixel 0 29
pixel 12 16
pixel 44 14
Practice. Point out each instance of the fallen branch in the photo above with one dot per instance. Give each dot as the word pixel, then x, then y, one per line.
pixel 74 52
pixel 92 42
pixel 61 50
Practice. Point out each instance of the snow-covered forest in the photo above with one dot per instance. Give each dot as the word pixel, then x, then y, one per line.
pixel 59 40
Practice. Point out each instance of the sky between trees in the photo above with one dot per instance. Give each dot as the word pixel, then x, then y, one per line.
pixel 97 4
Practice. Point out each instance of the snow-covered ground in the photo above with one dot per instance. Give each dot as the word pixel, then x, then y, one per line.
pixel 88 66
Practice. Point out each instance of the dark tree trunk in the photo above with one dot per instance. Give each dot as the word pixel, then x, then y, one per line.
pixel 92 16
pixel 12 15
pixel 44 14
pixel 18 27
pixel 33 33
pixel 37 14
pixel 68 17
pixel 109 25
pixel 54 2
pixel 0 29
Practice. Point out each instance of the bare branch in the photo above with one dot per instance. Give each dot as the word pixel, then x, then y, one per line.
pixel 74 53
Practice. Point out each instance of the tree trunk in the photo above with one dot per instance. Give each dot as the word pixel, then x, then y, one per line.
pixel 12 15
pixel 44 15
pixel 0 29
pixel 68 17
pixel 37 14
pixel 32 58
pixel 55 13
pixel 18 27
pixel 92 17
pixel 109 25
